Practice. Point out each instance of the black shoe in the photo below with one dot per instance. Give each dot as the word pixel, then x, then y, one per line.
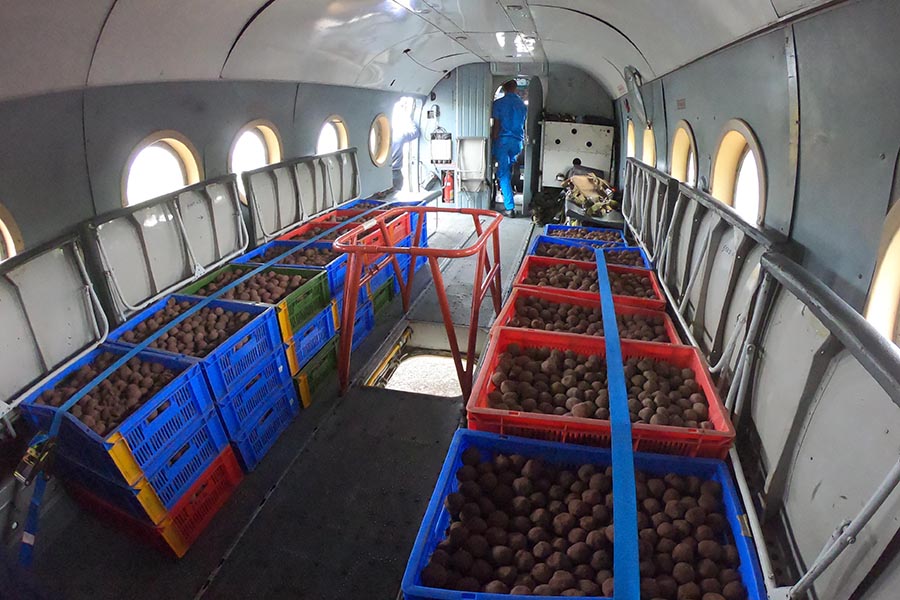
pixel 511 214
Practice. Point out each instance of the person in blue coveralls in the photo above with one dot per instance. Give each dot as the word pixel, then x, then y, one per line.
pixel 508 138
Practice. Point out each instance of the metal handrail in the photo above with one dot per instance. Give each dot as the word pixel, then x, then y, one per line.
pixel 487 277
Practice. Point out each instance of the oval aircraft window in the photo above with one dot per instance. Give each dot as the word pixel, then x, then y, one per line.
pixel 380 140
pixel 739 174
pixel 162 163
pixel 10 237
pixel 684 155
pixel 256 145
pixel 333 136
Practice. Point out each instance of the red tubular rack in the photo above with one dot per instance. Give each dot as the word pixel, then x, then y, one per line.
pixel 487 276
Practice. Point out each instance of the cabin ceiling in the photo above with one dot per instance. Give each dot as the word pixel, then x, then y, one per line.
pixel 402 45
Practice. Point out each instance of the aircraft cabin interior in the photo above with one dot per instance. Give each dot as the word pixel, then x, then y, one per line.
pixel 449 300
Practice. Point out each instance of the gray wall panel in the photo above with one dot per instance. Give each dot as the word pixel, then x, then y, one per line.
pixel 68 159
pixel 208 114
pixel 43 176
pixel 358 108
pixel 749 82
pixel 572 91
pixel 850 131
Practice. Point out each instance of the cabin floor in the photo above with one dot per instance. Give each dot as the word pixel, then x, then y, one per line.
pixel 333 510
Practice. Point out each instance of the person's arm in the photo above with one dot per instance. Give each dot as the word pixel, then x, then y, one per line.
pixel 412 134
pixel 495 124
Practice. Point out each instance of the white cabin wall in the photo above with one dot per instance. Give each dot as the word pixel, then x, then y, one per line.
pixel 70 149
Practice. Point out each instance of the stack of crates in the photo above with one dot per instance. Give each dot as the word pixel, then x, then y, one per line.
pixel 565 440
pixel 164 470
pixel 306 317
pixel 247 374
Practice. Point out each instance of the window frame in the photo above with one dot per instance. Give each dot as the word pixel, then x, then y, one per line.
pixel 652 147
pixel 343 135
pixel 630 140
pixel 883 302
pixel 10 234
pixel 735 141
pixel 381 156
pixel 684 148
pixel 271 140
pixel 179 146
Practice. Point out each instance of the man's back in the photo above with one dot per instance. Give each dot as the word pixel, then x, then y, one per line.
pixel 510 110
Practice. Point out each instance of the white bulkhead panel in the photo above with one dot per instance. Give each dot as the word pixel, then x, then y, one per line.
pixel 785 355
pixel 850 441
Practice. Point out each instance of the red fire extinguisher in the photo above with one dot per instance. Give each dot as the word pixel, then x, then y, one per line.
pixel 448 186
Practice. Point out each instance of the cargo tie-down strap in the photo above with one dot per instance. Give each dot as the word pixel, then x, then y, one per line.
pixel 29 535
pixel 625 545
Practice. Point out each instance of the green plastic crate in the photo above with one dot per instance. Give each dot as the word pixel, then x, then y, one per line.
pixel 316 371
pixel 295 310
pixel 383 296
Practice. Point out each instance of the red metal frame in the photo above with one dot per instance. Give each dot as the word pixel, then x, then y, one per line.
pixel 354 245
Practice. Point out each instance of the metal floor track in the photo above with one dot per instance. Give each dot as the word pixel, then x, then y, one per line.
pixel 346 515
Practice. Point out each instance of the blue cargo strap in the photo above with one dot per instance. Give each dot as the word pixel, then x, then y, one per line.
pixel 29 534
pixel 626 582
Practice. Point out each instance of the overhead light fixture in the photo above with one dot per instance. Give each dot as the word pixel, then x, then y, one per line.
pixel 514 6
pixel 461 38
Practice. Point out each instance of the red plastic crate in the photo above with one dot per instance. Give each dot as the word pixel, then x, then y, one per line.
pixel 398 228
pixel 551 294
pixel 203 500
pixel 186 520
pixel 311 229
pixel 658 303
pixel 663 439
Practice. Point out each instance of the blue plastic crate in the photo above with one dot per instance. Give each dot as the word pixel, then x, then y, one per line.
pixel 125 452
pixel 437 519
pixel 314 335
pixel 119 495
pixel 173 473
pixel 361 299
pixel 546 239
pixel 265 426
pixel 555 230
pixel 234 357
pixel 259 388
pixel 362 204
pixel 363 324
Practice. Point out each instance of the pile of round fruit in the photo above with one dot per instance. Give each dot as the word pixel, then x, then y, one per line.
pixel 547 315
pixel 317 230
pixel 630 258
pixel 563 276
pixel 523 527
pixel 632 284
pixel 580 233
pixel 197 336
pixel 269 287
pixel 314 257
pixel 566 383
pixel 110 402
pixel 550 381
pixel 660 393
